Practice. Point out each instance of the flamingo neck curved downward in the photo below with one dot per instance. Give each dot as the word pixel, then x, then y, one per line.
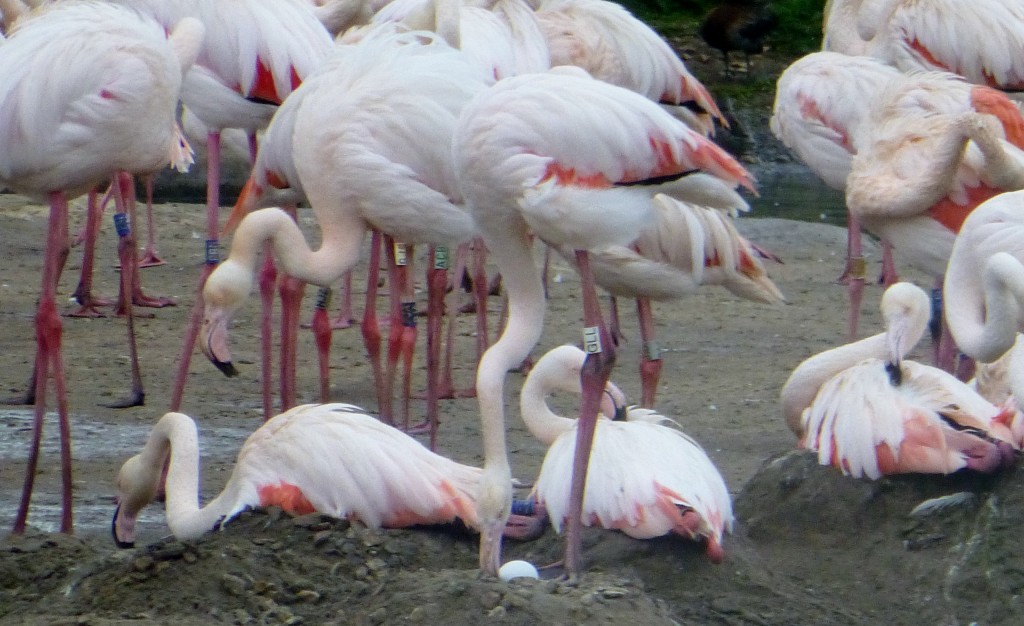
pixel 339 249
pixel 513 253
pixel 176 434
pixel 984 319
pixel 547 375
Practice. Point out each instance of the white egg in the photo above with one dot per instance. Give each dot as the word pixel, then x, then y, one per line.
pixel 517 569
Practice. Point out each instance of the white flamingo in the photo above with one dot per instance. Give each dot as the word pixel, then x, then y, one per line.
pixel 559 154
pixel 649 479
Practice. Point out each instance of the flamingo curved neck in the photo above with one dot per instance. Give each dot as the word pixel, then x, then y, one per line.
pixel 176 433
pixel 541 421
pixel 339 249
pixel 985 332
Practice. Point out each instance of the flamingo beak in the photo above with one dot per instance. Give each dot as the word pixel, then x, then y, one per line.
pixel 128 524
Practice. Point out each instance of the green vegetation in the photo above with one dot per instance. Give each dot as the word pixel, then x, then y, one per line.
pixel 798 32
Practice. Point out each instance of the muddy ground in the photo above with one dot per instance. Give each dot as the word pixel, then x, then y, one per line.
pixel 810 546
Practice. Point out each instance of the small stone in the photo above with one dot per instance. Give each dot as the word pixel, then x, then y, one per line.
pixel 190 557
pixel 497 613
pixel 233 585
pixel 417 615
pixel 242 616
pixel 308 595
pixel 143 563
pixel 379 616
pixel 613 592
pixel 490 599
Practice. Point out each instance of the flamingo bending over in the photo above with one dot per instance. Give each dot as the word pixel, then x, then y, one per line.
pixel 106 106
pixel 984 285
pixel 331 458
pixel 576 162
pixel 867 411
pixel 649 479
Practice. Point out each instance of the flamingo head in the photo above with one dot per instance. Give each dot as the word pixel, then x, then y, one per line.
pixel 493 508
pixel 137 485
pixel 225 291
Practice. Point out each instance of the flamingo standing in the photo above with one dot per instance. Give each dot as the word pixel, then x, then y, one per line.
pixel 869 412
pixel 818 114
pixel 649 479
pixel 563 156
pixel 688 246
pixel 331 458
pixel 258 52
pixel 372 150
pixel 106 106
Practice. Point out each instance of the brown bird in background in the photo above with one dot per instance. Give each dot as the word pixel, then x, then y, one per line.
pixel 738 25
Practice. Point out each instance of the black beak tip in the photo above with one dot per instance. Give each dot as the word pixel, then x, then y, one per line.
pixel 124 545
pixel 226 367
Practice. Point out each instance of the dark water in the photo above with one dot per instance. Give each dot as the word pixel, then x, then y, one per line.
pixel 793 192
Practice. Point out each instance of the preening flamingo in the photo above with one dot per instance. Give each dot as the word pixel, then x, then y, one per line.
pixel 372 150
pixel 561 155
pixel 867 411
pixel 331 458
pixel 107 105
pixel 818 113
pixel 687 246
pixel 984 284
pixel 649 479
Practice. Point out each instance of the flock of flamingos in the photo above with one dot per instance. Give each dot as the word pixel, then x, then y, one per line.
pixel 482 126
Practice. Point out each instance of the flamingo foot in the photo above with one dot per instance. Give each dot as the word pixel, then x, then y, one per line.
pixel 341 322
pixel 89 310
pixel 152 302
pixel 134 398
pixel 150 259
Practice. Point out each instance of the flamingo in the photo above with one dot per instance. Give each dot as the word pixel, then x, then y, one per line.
pixel 260 53
pixel 688 246
pixel 611 44
pixel 331 458
pixel 980 41
pixel 371 149
pixel 866 410
pixel 561 155
pixel 818 113
pixel 650 479
pixel 107 106
pixel 984 284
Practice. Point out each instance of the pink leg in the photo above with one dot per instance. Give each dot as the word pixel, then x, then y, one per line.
pixel 402 329
pixel 371 328
pixel 138 297
pixel 345 316
pixel 291 290
pixel 594 377
pixel 437 282
pixel 650 355
pixel 889 275
pixel 149 255
pixel 83 293
pixel 124 197
pixel 48 360
pixel 212 258
pixel 322 335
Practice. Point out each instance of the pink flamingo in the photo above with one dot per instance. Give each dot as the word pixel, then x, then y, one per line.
pixel 360 171
pixel 654 479
pixel 563 156
pixel 107 106
pixel 866 410
pixel 331 458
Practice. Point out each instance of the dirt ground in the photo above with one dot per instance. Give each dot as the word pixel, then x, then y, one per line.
pixel 810 546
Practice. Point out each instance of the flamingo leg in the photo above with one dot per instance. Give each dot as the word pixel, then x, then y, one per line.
pixel 291 290
pixel 323 330
pixel 480 295
pixel 266 279
pixel 83 293
pixel 345 316
pixel 149 255
pixel 854 273
pixel 124 198
pixel 889 275
pixel 371 327
pixel 650 354
pixel 437 283
pixel 212 259
pixel 48 359
pixel 594 377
